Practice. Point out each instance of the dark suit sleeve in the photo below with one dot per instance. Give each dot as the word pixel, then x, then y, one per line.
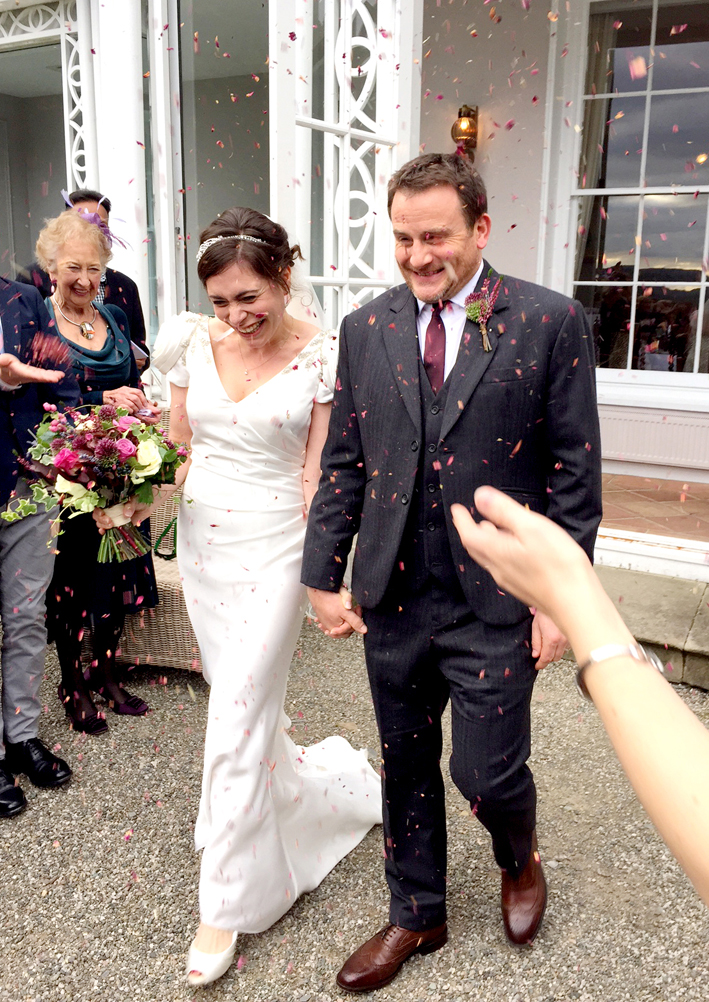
pixel 573 433
pixel 46 350
pixel 35 276
pixel 123 293
pixel 336 509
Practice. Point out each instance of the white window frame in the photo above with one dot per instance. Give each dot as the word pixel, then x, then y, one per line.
pixel 557 235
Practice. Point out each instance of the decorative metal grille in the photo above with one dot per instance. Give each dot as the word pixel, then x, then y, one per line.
pixel 31 23
pixel 74 118
pixel 348 70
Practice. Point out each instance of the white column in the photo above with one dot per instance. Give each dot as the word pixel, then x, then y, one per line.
pixel 118 79
pixel 286 172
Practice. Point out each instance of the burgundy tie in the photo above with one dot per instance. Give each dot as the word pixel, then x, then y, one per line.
pixel 434 352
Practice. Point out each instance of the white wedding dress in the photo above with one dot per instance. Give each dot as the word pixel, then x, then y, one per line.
pixel 274 818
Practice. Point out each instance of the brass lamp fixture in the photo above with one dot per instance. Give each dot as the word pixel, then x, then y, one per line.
pixel 465 130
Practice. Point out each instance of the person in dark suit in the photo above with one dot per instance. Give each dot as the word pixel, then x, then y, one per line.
pixel 115 288
pixel 429 405
pixel 34 370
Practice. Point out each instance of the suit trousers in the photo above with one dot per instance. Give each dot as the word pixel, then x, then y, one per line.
pixel 423 648
pixel 26 564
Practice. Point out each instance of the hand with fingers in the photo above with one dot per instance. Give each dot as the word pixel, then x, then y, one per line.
pixel 335 612
pixel 15 373
pixel 135 402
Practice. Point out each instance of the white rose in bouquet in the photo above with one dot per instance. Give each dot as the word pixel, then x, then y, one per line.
pixel 148 459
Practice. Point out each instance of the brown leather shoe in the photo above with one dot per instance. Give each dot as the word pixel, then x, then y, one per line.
pixel 380 959
pixel 524 900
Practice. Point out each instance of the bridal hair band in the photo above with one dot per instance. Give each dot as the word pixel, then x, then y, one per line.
pixel 227 236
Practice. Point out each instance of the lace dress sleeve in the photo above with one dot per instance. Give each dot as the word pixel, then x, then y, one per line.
pixel 328 371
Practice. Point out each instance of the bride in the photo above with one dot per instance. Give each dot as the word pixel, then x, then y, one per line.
pixel 250 393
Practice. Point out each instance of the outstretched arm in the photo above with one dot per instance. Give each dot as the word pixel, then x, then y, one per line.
pixel 653 732
pixel 14 373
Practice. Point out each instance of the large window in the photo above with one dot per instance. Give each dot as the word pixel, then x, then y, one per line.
pixel 643 186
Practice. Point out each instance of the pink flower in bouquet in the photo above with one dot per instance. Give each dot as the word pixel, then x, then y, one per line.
pixel 182 451
pixel 49 407
pixel 124 422
pixel 125 447
pixel 66 460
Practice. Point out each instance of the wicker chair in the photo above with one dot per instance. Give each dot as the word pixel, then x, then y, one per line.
pixel 163 636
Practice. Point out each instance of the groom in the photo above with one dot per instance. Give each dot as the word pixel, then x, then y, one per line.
pixel 432 401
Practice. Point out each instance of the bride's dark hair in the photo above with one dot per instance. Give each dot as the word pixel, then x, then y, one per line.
pixel 270 259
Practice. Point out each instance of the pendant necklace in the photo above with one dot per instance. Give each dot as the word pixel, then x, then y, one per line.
pixel 86 327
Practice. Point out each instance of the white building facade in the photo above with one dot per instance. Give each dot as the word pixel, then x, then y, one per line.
pixel 593 141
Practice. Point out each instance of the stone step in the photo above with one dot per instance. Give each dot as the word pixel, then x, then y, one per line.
pixel 671 615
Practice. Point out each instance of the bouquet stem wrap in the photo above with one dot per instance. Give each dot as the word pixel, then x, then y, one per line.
pixel 123 541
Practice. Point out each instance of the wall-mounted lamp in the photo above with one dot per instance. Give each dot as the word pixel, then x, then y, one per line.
pixel 465 130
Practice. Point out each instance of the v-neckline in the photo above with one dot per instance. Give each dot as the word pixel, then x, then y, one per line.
pixel 280 372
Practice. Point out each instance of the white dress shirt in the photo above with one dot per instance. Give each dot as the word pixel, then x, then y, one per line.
pixel 453 317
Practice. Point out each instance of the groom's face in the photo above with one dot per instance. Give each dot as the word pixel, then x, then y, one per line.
pixel 437 252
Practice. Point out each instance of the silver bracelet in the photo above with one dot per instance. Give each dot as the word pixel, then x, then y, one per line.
pixel 634 651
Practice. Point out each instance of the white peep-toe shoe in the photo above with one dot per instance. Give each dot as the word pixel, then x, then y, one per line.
pixel 209 966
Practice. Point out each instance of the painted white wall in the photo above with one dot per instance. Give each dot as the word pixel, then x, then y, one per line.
pixel 502 71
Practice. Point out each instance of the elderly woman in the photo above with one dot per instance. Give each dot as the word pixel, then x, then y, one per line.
pixel 85 594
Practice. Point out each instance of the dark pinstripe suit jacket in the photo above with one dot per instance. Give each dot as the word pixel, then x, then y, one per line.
pixel 521 417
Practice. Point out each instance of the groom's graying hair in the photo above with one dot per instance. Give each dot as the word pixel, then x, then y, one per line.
pixel 434 169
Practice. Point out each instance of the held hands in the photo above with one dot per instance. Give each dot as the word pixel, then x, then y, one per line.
pixel 13 372
pixel 336 616
pixel 135 401
pixel 548 642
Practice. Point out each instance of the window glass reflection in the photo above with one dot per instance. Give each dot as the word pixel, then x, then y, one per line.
pixel 32 152
pixel 681 47
pixel 665 329
pixel 606 236
pixel 224 101
pixel 608 312
pixel 678 140
pixel 619 50
pixel 614 161
pixel 672 237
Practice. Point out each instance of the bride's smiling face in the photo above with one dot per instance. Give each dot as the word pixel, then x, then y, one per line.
pixel 249 303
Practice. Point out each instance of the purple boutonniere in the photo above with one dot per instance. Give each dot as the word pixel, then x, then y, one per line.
pixel 479 307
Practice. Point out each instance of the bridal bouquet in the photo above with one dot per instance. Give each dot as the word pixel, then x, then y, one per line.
pixel 82 460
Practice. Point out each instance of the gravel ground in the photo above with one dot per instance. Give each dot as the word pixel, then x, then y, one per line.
pixel 100 877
